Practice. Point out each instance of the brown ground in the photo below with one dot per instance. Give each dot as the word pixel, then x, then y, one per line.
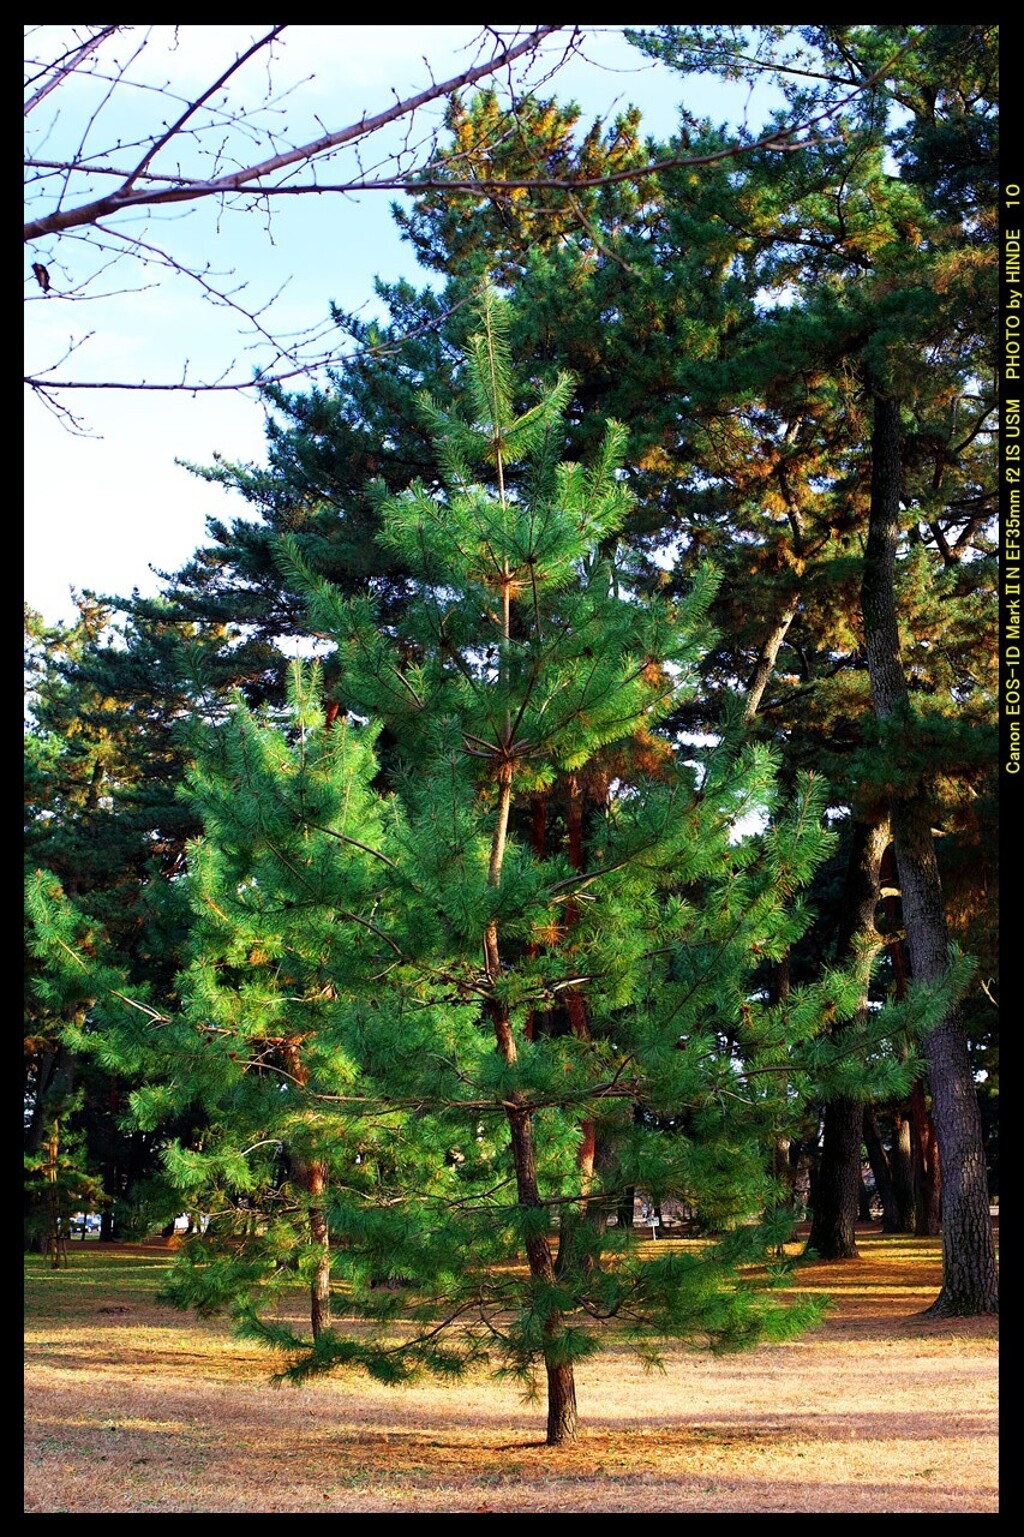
pixel 144 1409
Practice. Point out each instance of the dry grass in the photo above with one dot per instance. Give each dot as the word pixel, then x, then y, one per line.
pixel 144 1409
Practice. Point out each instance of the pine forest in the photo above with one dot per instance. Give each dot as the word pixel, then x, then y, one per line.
pixel 557 806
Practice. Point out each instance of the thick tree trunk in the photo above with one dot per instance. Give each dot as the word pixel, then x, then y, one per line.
pixel 833 1233
pixel 968 1252
pixel 834 1226
pixel 562 1418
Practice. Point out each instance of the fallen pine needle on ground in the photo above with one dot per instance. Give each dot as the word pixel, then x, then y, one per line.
pixel 133 1407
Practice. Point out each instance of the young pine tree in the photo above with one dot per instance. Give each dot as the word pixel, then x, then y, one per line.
pixel 478 1033
pixel 474 952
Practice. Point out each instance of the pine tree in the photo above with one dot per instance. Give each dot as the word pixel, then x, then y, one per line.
pixel 480 1038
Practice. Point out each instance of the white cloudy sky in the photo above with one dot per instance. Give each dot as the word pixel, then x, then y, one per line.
pixel 103 507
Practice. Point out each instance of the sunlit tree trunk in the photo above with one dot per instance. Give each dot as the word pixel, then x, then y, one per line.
pixel 902 1169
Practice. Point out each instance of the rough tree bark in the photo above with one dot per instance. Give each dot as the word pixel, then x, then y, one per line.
pixel 833 1233
pixel 968 1251
pixel 901 1168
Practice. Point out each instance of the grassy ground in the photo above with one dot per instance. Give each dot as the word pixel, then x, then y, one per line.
pixel 132 1407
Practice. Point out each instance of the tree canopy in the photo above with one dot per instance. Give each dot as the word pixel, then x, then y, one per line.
pixel 616 838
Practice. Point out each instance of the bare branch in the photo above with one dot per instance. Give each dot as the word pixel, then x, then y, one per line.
pixel 101 208
pixel 67 65
pixel 193 107
pixel 779 141
pixel 203 122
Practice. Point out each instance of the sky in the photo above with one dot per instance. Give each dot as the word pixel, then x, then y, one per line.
pixel 107 505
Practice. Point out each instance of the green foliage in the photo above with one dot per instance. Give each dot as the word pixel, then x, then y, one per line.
pixel 482 820
pixel 393 979
pixel 105 829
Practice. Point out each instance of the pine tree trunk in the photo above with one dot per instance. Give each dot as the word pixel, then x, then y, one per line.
pixel 902 1166
pixel 311 1176
pixel 926 1170
pixel 562 1421
pixel 56 1244
pixel 969 1268
pixel 55 1080
pixel 782 1167
pixel 833 1233
pixel 882 1173
pixel 111 1171
pixel 320 1286
pixel 834 1226
pixel 111 1185
pixel 562 1418
pixel 767 658
pixel 562 1425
